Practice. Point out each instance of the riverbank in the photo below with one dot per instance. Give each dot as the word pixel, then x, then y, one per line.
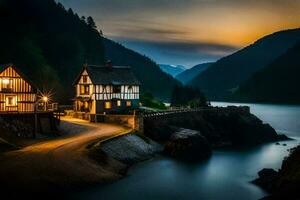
pixel 226 175
pixel 87 157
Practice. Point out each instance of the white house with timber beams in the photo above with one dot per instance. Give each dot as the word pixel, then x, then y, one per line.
pixel 106 89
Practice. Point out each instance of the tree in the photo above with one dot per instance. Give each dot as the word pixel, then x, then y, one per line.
pixel 187 96
pixel 70 12
pixel 83 19
pixel 91 23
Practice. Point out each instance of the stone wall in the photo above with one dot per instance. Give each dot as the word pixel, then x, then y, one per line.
pixel 26 125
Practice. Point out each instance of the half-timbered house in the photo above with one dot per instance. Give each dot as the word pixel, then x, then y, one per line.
pixel 106 89
pixel 17 93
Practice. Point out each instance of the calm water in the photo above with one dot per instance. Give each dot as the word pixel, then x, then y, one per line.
pixel 225 175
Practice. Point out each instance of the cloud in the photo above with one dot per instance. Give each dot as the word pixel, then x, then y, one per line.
pixel 188 31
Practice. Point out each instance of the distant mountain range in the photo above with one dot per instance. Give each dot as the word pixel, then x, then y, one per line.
pixel 222 78
pixel 172 70
pixel 189 74
pixel 278 83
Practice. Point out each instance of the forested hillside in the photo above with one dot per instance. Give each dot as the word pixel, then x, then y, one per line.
pixel 222 78
pixel 277 83
pixel 48 43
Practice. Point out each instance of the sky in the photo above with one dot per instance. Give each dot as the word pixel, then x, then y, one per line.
pixel 188 32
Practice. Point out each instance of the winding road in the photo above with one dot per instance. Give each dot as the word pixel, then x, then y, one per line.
pixel 62 162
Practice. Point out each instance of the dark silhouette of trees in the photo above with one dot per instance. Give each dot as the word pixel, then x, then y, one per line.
pixel 48 43
pixel 91 23
pixel 83 19
pixel 187 96
pixel 277 83
pixel 148 100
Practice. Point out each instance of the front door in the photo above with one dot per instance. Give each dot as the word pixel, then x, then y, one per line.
pixel 11 103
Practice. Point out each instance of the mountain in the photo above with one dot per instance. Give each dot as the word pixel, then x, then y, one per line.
pixel 153 79
pixel 277 83
pixel 187 75
pixel 49 44
pixel 224 76
pixel 173 70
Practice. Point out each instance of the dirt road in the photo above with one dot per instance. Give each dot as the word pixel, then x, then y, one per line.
pixel 61 162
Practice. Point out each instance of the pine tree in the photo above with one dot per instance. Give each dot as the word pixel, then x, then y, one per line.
pixel 91 23
pixel 83 19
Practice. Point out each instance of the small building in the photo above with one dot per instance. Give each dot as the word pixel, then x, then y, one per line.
pixel 17 93
pixel 106 89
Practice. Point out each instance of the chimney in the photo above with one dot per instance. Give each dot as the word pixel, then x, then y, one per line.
pixel 109 64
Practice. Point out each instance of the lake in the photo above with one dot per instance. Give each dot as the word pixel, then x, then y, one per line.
pixel 226 175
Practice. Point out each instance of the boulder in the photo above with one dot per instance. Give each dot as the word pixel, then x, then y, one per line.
pixel 131 148
pixel 266 178
pixel 189 145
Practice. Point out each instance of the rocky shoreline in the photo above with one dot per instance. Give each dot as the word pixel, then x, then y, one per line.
pixel 284 183
pixel 188 138
pixel 222 127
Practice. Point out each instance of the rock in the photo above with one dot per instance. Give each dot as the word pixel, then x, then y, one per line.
pixel 284 184
pixel 189 145
pixel 267 172
pixel 283 144
pixel 232 126
pixel 277 143
pixel 266 178
pixel 131 148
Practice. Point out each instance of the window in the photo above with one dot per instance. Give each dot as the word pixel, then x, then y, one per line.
pixel 107 105
pixel 86 105
pixel 6 84
pixel 119 103
pixel 128 103
pixel 85 89
pixel 11 101
pixel 84 78
pixel 117 89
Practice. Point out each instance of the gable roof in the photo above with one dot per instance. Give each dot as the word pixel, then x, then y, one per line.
pixel 115 75
pixel 5 66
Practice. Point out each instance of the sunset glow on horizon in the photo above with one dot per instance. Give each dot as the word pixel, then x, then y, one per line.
pixel 208 29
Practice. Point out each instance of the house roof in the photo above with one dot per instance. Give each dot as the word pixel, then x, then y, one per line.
pixel 5 66
pixel 115 75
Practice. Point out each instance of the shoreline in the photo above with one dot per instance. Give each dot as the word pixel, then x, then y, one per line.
pixel 113 165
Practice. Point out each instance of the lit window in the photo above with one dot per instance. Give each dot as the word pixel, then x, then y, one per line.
pixel 5 81
pixel 107 105
pixel 6 84
pixel 11 101
pixel 84 89
pixel 128 103
pixel 118 103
